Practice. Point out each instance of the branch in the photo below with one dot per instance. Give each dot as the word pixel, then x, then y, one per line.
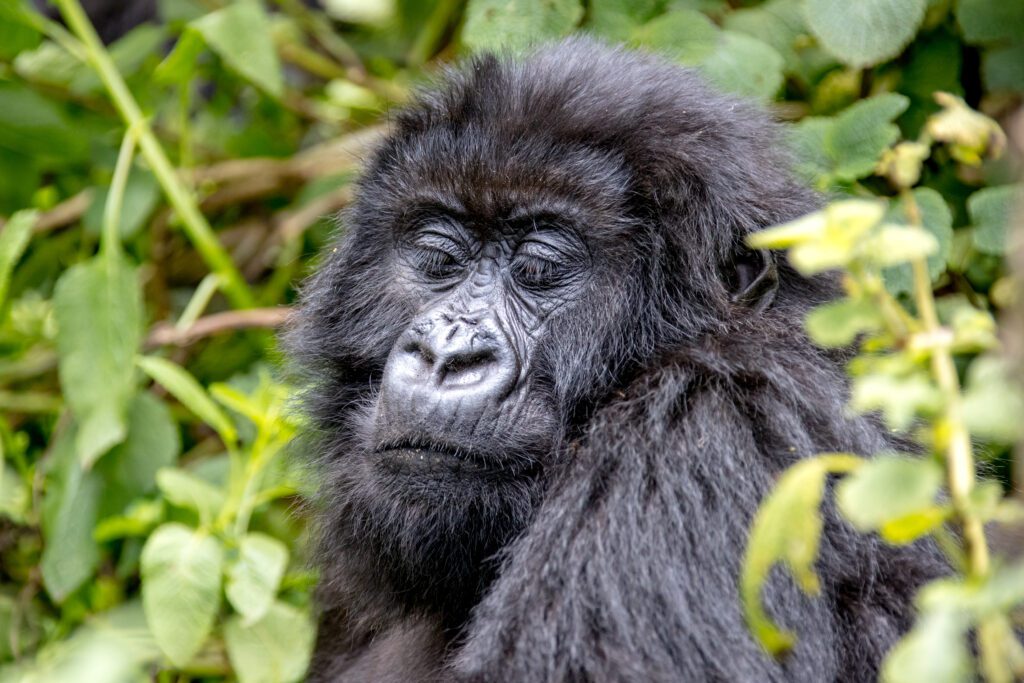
pixel 166 334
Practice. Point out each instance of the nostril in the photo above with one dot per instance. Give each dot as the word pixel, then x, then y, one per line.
pixel 467 366
pixel 420 351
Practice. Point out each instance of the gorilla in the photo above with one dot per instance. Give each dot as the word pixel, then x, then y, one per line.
pixel 549 385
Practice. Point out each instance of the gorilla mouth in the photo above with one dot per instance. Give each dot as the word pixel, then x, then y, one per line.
pixel 423 454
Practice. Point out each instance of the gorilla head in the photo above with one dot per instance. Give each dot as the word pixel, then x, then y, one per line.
pixel 540 321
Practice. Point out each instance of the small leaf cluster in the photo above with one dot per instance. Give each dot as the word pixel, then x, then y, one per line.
pixel 906 372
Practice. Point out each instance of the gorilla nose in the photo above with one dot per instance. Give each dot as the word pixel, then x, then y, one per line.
pixel 453 356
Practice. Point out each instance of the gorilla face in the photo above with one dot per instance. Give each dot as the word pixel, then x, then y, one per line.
pixel 459 393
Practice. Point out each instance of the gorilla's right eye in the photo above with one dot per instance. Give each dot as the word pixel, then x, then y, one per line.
pixel 436 255
pixel 435 262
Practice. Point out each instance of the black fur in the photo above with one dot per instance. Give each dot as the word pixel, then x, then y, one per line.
pixel 675 403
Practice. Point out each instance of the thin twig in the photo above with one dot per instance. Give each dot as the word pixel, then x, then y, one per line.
pixel 166 334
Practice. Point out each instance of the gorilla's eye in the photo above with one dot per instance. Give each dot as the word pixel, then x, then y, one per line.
pixel 436 255
pixel 436 263
pixel 539 266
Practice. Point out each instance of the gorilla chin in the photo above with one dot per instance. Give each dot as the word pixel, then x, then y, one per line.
pixel 549 386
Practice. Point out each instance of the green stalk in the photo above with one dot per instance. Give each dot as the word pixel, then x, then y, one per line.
pixel 110 238
pixel 194 224
pixel 959 453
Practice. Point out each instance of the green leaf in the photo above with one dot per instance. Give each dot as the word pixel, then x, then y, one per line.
pixel 129 469
pixel 990 21
pixel 990 210
pixel 779 23
pixel 516 24
pixel 683 35
pixel 179 65
pixel 14 238
pixel 838 323
pixel 787 530
pixel 252 580
pixel 900 398
pixel 70 508
pixel 848 146
pixel 130 54
pixel 1003 68
pixel 16 36
pixel 895 244
pixel 240 35
pixel 276 649
pixel 728 66
pixel 888 488
pixel 864 32
pixel 993 404
pixel 141 196
pixel 184 387
pixel 935 650
pixel 98 307
pixel 186 490
pixel 35 126
pixel 938 221
pixel 181 571
pixel 862 132
pixel 617 19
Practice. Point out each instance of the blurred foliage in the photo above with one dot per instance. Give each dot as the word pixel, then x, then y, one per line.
pixel 162 196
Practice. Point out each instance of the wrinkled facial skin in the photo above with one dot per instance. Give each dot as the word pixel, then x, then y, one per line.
pixel 456 393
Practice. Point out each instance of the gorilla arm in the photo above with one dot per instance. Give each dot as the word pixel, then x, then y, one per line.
pixel 630 570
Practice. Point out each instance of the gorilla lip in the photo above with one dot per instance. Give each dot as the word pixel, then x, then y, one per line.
pixel 431 454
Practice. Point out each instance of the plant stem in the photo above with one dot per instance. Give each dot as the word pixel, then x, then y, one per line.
pixel 110 238
pixel 194 224
pixel 957 441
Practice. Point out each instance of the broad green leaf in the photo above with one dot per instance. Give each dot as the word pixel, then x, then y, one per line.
pixel 141 195
pixel 938 221
pixel 14 495
pixel 787 530
pixel 253 578
pixel 275 649
pixel 240 35
pixel 728 66
pixel 848 146
pixel 186 389
pixel 900 398
pixel 838 323
pixel 184 489
pixel 990 21
pixel 864 32
pixel 181 571
pixel 990 210
pixel 888 488
pixel 993 404
pixel 70 509
pixel 16 36
pixel 616 19
pixel 1003 67
pixel 779 23
pixel 129 469
pixel 909 528
pixel 862 132
pixel 14 238
pixel 683 35
pixel 516 24
pixel 895 244
pixel 33 125
pixel 98 307
pixel 935 650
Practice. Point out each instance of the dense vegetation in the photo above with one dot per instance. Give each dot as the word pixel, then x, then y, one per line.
pixel 162 197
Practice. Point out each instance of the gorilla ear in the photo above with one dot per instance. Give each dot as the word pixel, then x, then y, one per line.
pixel 754 279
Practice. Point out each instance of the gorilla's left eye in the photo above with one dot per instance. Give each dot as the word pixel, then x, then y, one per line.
pixel 539 266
